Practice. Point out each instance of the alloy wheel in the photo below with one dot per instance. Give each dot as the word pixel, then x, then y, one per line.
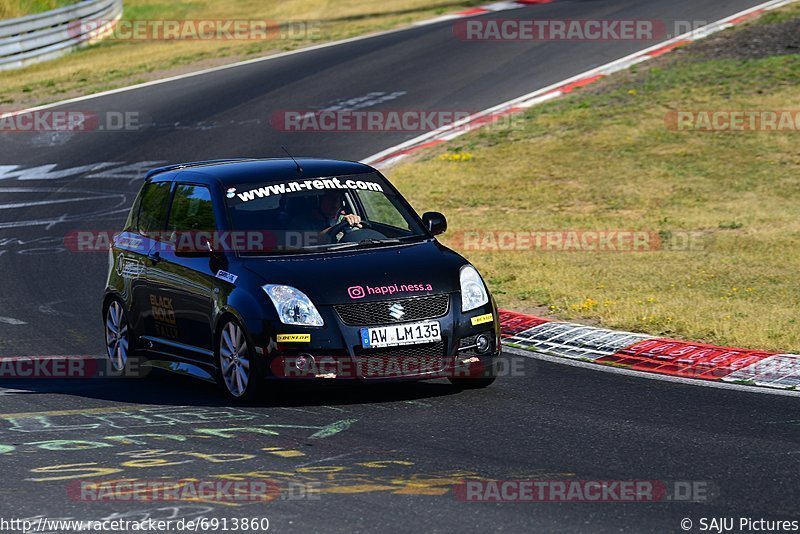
pixel 234 360
pixel 117 341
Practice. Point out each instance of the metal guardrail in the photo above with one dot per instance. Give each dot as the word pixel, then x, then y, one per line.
pixel 35 38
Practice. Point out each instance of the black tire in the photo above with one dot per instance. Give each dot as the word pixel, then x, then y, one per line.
pixel 120 341
pixel 239 371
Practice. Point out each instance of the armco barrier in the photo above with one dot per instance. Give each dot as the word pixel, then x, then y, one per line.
pixel 35 38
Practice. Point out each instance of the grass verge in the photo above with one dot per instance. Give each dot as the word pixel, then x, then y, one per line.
pixel 604 159
pixel 115 63
pixel 10 9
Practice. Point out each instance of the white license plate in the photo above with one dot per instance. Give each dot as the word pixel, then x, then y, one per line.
pixel 401 334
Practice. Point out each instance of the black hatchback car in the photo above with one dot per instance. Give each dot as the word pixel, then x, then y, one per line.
pixel 241 270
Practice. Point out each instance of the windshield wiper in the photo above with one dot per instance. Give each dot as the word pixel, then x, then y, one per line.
pixel 363 242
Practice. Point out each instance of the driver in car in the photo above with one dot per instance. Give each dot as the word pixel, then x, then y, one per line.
pixel 328 218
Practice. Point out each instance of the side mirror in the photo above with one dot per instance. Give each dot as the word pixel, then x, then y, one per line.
pixel 435 222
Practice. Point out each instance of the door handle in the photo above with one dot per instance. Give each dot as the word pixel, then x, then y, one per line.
pixel 154 257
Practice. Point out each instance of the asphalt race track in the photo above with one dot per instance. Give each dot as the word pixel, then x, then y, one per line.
pixel 381 457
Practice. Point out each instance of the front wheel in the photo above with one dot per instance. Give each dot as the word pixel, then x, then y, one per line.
pixel 237 366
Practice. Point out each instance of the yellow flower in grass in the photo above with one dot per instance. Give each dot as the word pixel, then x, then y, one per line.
pixel 456 156
pixel 587 305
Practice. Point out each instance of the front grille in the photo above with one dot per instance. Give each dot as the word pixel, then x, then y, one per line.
pixel 411 360
pixel 375 313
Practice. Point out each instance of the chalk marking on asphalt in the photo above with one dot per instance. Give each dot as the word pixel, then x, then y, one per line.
pixel 56 413
pixel 51 202
pixel 12 321
pixel 330 458
pixel 650 376
pixel 334 428
pixel 8 391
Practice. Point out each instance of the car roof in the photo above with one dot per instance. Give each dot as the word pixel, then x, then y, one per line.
pixel 256 171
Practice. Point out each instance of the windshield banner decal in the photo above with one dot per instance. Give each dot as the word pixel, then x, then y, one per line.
pixel 318 184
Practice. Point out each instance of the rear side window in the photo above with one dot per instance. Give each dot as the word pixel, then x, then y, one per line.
pixel 192 209
pixel 153 209
pixel 132 224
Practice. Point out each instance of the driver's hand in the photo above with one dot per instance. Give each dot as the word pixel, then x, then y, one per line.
pixel 352 220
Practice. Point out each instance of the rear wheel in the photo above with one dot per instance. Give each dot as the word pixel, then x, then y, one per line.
pixel 118 335
pixel 237 367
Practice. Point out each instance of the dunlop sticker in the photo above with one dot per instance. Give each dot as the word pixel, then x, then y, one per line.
pixel 294 338
pixel 480 319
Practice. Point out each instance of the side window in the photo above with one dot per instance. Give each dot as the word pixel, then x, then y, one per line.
pixel 191 209
pixel 153 209
pixel 132 224
pixel 381 210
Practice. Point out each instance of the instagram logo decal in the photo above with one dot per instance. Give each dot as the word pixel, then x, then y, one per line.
pixel 356 292
pixel 359 292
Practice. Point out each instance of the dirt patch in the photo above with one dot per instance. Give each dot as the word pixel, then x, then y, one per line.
pixel 756 41
pixel 753 42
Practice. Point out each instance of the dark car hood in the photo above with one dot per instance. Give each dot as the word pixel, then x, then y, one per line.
pixel 365 275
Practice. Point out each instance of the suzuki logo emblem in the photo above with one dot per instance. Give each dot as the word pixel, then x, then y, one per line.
pixel 396 311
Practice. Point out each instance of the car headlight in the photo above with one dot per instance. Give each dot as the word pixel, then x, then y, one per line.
pixel 293 306
pixel 473 291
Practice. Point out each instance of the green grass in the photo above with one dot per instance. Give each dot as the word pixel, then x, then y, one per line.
pixel 603 159
pixel 18 8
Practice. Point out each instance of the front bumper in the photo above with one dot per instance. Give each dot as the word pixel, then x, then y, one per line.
pixel 335 350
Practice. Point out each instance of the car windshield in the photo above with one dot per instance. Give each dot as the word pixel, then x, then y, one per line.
pixel 328 213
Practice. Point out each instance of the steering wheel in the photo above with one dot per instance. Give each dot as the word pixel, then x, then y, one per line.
pixel 364 224
pixel 344 227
